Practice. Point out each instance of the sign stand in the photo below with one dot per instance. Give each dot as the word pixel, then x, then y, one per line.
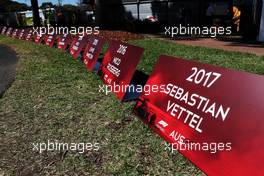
pixel 139 79
pixel 98 63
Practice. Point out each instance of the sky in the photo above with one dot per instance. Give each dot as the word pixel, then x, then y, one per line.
pixel 53 1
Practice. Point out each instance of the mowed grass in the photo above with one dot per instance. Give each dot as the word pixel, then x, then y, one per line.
pixel 233 60
pixel 55 98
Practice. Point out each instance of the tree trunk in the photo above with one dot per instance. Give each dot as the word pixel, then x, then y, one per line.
pixel 35 10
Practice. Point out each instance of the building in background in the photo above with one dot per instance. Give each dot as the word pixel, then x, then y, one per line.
pixel 28 17
pixel 119 13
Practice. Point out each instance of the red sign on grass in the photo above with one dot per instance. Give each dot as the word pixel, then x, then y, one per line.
pixel 21 34
pixel 63 41
pixel 29 35
pixel 14 34
pixel 119 65
pixel 9 31
pixel 39 38
pixel 77 45
pixel 92 51
pixel 50 40
pixel 213 116
pixel 3 30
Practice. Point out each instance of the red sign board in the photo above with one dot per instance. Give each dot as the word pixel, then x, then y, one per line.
pixel 39 38
pixel 77 45
pixel 29 35
pixel 213 116
pixel 15 32
pixel 92 52
pixel 119 65
pixel 50 40
pixel 3 30
pixel 63 41
pixel 9 31
pixel 21 34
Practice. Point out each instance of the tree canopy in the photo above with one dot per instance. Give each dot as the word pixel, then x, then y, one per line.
pixel 12 6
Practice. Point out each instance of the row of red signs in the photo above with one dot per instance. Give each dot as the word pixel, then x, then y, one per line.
pixel 119 58
pixel 214 116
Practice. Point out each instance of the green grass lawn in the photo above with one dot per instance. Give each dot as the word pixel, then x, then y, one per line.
pixel 55 98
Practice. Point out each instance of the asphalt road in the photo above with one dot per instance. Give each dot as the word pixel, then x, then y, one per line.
pixel 8 62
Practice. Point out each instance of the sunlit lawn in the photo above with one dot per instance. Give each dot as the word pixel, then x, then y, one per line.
pixel 55 98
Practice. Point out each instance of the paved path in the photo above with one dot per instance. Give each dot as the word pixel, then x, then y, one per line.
pixel 234 44
pixel 8 62
pixel 257 49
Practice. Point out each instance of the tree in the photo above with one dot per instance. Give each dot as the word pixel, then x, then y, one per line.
pixel 35 10
pixel 88 2
pixel 12 6
pixel 69 7
pixel 45 5
pixel 60 2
